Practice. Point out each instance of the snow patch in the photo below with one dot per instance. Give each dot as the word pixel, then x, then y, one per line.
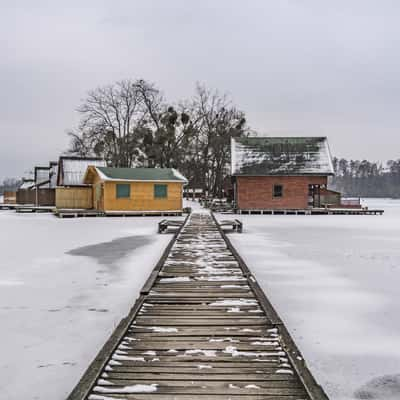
pixel 128 389
pixel 176 279
pixel 162 329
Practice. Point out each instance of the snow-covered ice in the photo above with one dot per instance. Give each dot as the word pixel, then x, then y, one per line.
pixel 64 286
pixel 335 282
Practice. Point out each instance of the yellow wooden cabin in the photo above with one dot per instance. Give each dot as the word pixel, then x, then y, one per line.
pixel 135 190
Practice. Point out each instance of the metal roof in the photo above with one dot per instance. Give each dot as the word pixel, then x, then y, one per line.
pixel 71 170
pixel 263 156
pixel 141 174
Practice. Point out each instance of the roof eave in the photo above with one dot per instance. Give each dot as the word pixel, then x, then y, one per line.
pixel 291 174
pixel 107 179
pixel 104 177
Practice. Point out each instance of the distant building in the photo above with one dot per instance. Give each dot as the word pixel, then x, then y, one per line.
pixel 71 191
pixel 281 173
pixel 40 190
pixel 135 190
pixel 9 197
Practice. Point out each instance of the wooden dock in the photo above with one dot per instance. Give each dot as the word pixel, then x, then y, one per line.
pixel 26 208
pixel 34 209
pixel 6 206
pixel 77 213
pixel 313 211
pixel 202 328
pixel 80 213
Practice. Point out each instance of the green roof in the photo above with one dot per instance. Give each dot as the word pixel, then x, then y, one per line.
pixel 141 174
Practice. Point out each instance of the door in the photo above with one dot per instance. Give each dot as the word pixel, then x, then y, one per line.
pixel 314 196
pixel 99 197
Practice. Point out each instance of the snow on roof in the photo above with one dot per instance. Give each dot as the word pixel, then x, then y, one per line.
pixel 73 169
pixel 260 156
pixel 27 184
pixel 141 174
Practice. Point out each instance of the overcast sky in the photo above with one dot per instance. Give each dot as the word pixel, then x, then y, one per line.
pixel 296 67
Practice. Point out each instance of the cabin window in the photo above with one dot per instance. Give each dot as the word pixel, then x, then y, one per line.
pixel 278 190
pixel 160 191
pixel 123 191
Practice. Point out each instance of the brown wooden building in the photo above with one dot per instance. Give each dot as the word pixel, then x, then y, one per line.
pixel 39 191
pixel 281 173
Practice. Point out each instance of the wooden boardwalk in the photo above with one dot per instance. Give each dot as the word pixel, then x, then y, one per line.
pixel 313 211
pixel 201 329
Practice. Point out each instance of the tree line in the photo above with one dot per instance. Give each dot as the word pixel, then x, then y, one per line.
pixel 130 123
pixel 9 184
pixel 362 178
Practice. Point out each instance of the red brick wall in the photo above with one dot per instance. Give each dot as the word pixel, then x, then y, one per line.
pixel 256 192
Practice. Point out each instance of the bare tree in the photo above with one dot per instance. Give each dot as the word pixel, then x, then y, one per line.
pixel 217 120
pixel 114 119
pixel 129 122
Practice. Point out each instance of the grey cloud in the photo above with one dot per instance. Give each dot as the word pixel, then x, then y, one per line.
pixel 296 67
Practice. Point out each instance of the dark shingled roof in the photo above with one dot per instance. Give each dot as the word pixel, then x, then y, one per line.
pixel 260 156
pixel 142 174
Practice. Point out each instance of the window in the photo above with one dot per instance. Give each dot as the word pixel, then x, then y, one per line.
pixel 123 191
pixel 160 191
pixel 278 190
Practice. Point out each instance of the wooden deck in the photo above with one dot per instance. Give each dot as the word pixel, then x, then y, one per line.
pixel 34 209
pixel 26 208
pixel 80 213
pixel 6 206
pixel 313 211
pixel 77 213
pixel 201 329
pixel 126 213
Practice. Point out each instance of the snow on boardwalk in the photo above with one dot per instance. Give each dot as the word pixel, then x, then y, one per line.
pixel 201 330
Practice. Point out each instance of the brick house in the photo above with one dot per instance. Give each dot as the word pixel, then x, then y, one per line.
pixel 281 173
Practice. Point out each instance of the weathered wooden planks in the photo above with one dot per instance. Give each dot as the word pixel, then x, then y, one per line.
pixel 202 329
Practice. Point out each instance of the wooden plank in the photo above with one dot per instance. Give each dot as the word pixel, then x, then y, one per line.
pixel 267 345
pixel 216 365
pixel 208 370
pixel 192 388
pixel 194 396
pixel 141 320
pixel 217 381
pixel 231 331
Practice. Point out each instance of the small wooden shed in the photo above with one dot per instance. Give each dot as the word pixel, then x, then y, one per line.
pixel 39 191
pixel 136 190
pixel 71 191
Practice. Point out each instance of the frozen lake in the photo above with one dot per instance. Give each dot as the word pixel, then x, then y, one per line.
pixel 335 282
pixel 64 286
